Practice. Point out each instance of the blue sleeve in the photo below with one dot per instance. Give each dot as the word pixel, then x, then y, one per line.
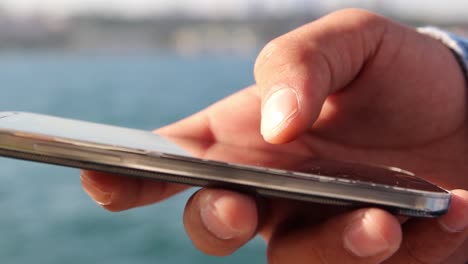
pixel 458 44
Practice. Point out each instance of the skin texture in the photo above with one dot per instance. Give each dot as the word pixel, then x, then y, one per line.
pixel 352 85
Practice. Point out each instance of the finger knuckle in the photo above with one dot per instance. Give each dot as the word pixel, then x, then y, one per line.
pixel 362 20
pixel 265 55
pixel 282 55
pixel 356 13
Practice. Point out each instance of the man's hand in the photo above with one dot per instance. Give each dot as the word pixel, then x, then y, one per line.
pixel 353 86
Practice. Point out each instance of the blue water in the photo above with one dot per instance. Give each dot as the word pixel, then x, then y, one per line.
pixel 45 215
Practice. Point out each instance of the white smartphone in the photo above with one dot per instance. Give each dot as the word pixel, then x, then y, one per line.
pixel 138 153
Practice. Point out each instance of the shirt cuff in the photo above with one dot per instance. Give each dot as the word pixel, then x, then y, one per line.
pixel 456 43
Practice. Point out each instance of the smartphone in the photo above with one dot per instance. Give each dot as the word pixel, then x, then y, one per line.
pixel 138 153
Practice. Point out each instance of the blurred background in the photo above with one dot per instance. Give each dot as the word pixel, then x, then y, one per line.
pixel 141 64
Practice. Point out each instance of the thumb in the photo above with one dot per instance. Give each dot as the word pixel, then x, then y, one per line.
pixel 297 71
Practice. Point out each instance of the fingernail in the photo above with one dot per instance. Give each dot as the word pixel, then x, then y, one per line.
pixel 456 220
pixel 213 218
pixel 279 108
pixel 362 237
pixel 95 190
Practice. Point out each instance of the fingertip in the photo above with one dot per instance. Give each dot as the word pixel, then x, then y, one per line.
pixel 228 214
pixel 99 186
pixel 220 221
pixel 372 232
pixel 117 192
pixel 114 193
pixel 456 220
pixel 460 195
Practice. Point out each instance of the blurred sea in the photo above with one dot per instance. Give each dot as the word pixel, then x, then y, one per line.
pixel 45 215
